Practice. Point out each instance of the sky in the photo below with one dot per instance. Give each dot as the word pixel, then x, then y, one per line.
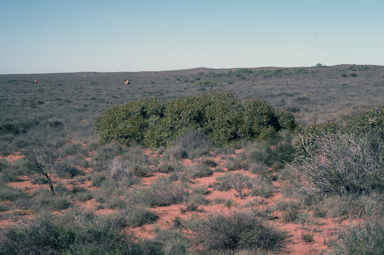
pixel 59 36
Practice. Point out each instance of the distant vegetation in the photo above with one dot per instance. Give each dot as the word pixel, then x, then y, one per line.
pixel 313 134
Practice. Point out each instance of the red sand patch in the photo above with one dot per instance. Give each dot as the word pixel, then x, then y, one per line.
pixel 153 178
pixel 13 158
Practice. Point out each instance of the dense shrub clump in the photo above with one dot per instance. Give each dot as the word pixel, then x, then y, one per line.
pixel 371 122
pixel 222 116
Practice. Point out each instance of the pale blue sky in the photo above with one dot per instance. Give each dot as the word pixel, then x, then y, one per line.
pixel 49 36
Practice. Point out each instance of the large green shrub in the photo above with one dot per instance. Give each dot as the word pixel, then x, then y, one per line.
pixel 222 116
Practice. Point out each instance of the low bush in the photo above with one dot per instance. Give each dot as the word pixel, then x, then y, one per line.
pixel 72 149
pixel 351 205
pixel 364 239
pixel 141 171
pixel 222 183
pixel 3 165
pixel 67 171
pixel 10 194
pixel 210 163
pixel 49 203
pixel 345 164
pixel 239 230
pixel 133 217
pixel 97 180
pixel 274 156
pixel 198 171
pixel 86 234
pixel 10 176
pixel 262 187
pixel 237 181
pixel 161 193
pixel 118 170
pixel 234 164
pixel 78 160
pixel 172 241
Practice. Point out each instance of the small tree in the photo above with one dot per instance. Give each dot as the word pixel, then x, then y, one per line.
pixel 42 156
pixel 238 182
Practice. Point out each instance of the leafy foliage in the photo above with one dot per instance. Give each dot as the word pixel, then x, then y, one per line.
pixel 222 116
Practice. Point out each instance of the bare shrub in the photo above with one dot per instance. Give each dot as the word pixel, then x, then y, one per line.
pixel 345 164
pixel 118 170
pixel 161 193
pixel 367 238
pixel 238 182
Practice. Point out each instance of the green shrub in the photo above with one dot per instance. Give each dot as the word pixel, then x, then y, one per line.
pixel 239 230
pixel 223 117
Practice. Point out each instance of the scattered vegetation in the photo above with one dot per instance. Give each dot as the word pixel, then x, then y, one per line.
pixel 332 168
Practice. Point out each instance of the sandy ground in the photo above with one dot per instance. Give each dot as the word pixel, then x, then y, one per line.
pixel 323 230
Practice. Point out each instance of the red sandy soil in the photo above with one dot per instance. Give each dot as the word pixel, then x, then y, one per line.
pixel 13 158
pixel 322 229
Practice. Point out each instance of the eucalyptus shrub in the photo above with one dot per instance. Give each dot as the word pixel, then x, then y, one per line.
pixel 222 116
